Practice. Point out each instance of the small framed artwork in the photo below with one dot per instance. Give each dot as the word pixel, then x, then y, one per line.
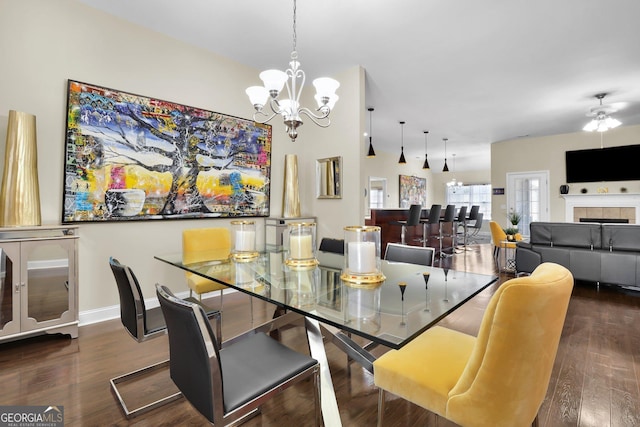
pixel 413 191
pixel 132 157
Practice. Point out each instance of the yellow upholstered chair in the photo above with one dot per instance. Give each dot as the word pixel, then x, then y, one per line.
pixel 205 244
pixel 499 378
pixel 498 238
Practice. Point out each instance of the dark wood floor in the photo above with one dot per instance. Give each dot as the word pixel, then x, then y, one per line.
pixel 594 383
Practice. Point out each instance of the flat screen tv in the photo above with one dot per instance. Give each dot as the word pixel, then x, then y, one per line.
pixel 603 164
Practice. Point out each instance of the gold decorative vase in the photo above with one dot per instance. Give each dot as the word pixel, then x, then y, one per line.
pixel 20 194
pixel 291 194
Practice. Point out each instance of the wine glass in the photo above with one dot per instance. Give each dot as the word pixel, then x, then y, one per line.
pixel 403 287
pixel 426 276
pixel 446 273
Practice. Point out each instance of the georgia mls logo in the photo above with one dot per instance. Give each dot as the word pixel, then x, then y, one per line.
pixel 31 416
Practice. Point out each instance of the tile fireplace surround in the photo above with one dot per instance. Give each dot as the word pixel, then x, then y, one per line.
pixel 602 205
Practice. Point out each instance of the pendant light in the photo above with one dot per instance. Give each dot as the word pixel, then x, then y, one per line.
pixel 426 161
pixel 402 159
pixel 445 168
pixel 371 152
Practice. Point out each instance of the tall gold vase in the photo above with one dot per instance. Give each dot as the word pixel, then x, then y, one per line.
pixel 20 194
pixel 291 194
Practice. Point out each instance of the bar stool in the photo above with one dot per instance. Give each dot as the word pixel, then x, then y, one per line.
pixel 412 220
pixel 428 224
pixel 461 220
pixel 445 224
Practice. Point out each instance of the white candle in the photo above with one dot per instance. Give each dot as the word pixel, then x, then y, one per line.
pixel 300 246
pixel 362 257
pixel 245 240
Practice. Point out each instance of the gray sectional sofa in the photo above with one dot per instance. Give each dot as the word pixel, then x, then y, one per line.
pixel 601 253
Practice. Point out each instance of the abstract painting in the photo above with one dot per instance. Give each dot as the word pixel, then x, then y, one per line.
pixel 413 191
pixel 131 157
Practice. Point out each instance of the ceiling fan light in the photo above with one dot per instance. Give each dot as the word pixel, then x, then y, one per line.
pixel 591 126
pixel 612 123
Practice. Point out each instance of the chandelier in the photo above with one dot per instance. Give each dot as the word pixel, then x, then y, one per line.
pixel 454 183
pixel 601 121
pixel 289 108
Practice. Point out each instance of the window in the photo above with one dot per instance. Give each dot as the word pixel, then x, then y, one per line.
pixel 468 195
pixel 376 200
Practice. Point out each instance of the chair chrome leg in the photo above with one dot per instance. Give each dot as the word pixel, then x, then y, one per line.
pixel 317 396
pixel 251 307
pixel 130 413
pixel 380 407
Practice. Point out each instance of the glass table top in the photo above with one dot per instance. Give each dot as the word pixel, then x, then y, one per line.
pixel 411 299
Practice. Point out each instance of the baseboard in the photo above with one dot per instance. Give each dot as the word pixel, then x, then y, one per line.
pixel 103 314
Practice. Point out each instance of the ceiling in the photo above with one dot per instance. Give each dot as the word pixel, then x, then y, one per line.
pixel 474 72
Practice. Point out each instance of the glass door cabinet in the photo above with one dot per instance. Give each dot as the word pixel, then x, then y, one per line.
pixel 38 281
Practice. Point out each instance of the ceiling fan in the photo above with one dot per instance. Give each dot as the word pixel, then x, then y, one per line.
pixel 602 121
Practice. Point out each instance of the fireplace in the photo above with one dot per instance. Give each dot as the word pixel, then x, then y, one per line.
pixel 616 208
pixel 606 220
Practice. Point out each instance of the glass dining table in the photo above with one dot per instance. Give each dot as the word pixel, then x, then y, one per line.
pixel 391 313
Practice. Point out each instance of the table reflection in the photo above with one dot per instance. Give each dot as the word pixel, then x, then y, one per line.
pixel 410 300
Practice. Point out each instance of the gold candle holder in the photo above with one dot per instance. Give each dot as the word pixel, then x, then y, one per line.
pixel 300 242
pixel 243 238
pixel 362 255
pixel 301 286
pixel 363 303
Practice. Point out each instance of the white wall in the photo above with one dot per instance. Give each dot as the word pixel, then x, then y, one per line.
pixel 547 153
pixel 385 165
pixel 44 43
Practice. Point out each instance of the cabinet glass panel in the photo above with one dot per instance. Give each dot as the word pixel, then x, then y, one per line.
pixel 6 289
pixel 48 282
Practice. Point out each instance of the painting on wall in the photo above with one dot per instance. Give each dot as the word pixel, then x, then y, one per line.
pixel 413 191
pixel 131 157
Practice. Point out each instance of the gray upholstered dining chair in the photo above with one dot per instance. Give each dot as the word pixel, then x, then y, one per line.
pixel 409 254
pixel 142 324
pixel 231 383
pixel 328 244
